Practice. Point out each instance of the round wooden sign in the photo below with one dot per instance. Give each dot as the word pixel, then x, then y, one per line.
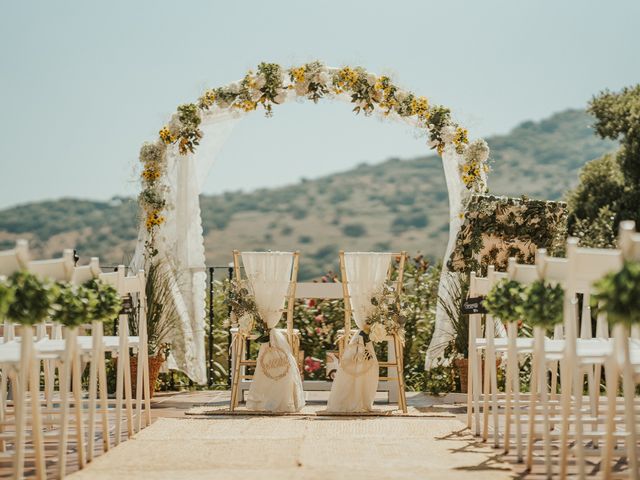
pixel 274 362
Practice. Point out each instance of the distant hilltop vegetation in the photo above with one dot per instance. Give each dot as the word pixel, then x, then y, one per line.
pixel 396 204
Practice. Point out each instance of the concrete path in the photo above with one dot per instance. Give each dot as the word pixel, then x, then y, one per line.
pixel 282 448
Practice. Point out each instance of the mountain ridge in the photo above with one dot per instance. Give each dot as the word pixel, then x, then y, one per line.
pixel 393 204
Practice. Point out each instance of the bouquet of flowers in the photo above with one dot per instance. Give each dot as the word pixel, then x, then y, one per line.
pixel 388 315
pixel 243 306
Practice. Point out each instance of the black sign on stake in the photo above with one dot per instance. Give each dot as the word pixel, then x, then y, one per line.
pixel 473 305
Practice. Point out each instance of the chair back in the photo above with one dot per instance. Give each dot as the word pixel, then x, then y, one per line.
pixel 87 272
pixel 15 259
pixel 522 273
pixel 324 291
pixel 585 267
pixel 554 270
pixel 291 294
pixel 57 269
pixel 478 285
pixel 494 276
pixel 399 283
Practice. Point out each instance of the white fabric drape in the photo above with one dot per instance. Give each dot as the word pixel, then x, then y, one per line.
pixel 458 193
pixel 356 382
pixel 269 275
pixel 180 240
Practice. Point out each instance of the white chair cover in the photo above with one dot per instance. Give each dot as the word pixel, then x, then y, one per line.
pixel 354 388
pixel 269 275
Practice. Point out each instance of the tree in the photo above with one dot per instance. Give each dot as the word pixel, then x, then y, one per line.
pixel 609 187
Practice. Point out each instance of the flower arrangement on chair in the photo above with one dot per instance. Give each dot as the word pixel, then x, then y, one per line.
pixel 243 305
pixel 387 317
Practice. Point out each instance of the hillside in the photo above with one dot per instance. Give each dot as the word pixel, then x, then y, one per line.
pixel 396 204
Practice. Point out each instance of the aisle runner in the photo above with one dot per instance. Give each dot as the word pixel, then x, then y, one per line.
pixel 313 448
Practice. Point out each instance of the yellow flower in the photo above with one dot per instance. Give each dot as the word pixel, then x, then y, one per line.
pixel 151 172
pixel 461 136
pixel 208 99
pixel 166 136
pixel 298 73
pixel 347 77
pixel 419 106
pixel 154 219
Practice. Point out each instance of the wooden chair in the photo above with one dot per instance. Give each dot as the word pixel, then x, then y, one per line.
pixel 239 351
pixel 395 362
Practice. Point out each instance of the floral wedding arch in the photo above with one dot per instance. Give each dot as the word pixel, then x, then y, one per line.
pixel 175 165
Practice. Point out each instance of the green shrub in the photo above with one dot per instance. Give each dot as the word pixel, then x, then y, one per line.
pixel 354 230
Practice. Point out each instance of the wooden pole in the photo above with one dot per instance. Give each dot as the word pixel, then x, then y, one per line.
pixel 347 300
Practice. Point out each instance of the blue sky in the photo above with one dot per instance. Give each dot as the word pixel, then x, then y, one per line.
pixel 84 84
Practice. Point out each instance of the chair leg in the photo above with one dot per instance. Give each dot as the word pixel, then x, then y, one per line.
pixel 516 410
pixel 139 392
pixel 237 351
pixel 544 402
pixel 612 378
pixel 128 394
pixel 580 457
pixel 494 405
pixel 476 391
pixel 65 386
pixel 77 396
pixel 104 401
pixel 118 403
pixel 3 403
pixel 400 374
pixel 531 437
pixel 36 417
pixel 146 385
pixel 19 405
pixel 508 386
pixel 93 395
pixel 486 390
pixel 629 387
pixel 566 388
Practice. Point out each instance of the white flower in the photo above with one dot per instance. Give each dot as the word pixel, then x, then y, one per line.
pixel 371 79
pixel 256 95
pixel 301 88
pixel 448 133
pixel 401 95
pixel 322 77
pixel 234 87
pixel 433 143
pixel 280 97
pixel 245 324
pixel 377 333
pixel 260 81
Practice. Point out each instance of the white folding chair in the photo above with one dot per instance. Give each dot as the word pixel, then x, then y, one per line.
pixel 624 362
pixel 120 346
pixel 581 355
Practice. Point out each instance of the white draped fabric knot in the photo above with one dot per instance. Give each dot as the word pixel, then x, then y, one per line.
pixel 269 275
pixel 356 382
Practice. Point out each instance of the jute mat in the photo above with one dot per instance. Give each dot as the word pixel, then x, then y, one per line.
pixel 317 411
pixel 312 448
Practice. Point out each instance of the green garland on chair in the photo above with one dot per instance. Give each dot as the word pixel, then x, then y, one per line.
pixel 619 294
pixel 543 304
pixel 505 300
